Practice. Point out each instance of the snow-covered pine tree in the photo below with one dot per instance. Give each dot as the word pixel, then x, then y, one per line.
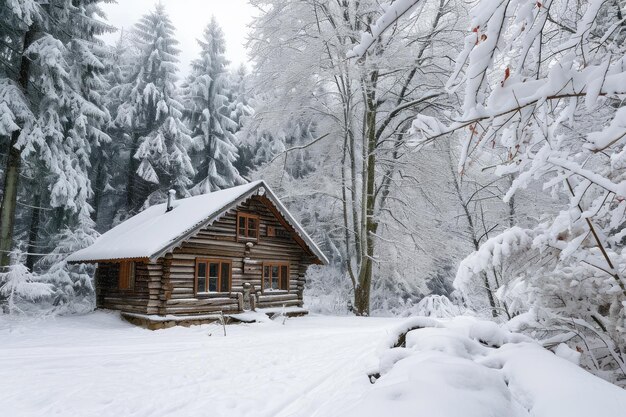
pixel 151 115
pixel 241 111
pixel 18 21
pixel 238 101
pixel 52 78
pixel 206 93
pixel 111 162
pixel 107 160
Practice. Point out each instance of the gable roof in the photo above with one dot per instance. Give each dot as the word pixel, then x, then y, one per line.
pixel 154 232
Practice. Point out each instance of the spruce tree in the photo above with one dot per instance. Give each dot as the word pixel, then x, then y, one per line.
pixel 151 115
pixel 239 107
pixel 50 75
pixel 206 96
pixel 53 118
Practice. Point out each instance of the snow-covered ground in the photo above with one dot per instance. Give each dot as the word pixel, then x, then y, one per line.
pixel 98 365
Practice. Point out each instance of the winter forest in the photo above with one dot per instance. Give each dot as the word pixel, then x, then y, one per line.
pixel 449 157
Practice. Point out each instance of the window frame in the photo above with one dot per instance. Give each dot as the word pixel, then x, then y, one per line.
pixel 208 262
pixel 127 272
pixel 279 264
pixel 247 216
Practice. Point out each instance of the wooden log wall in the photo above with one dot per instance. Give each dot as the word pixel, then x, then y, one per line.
pixel 108 294
pixel 220 241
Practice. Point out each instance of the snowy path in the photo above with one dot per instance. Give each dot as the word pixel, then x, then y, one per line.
pixel 99 366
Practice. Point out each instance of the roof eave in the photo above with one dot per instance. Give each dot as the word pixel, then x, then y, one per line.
pixel 111 260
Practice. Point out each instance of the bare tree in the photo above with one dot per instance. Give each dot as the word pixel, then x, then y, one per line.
pixel 362 108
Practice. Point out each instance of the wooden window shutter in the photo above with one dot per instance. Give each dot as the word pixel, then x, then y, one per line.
pixel 284 277
pixel 126 275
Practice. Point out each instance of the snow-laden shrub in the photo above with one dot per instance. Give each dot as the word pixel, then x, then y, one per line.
pixel 438 306
pixel 71 288
pixel 558 292
pixel 18 285
pixel 327 291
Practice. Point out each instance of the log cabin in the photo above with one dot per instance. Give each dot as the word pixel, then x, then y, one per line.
pixel 189 260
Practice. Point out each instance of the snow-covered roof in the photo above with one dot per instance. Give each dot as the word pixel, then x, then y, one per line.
pixel 154 232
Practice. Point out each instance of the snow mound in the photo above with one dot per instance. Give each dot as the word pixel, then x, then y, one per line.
pixel 470 367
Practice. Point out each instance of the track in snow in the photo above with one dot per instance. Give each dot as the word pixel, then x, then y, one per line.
pixel 96 365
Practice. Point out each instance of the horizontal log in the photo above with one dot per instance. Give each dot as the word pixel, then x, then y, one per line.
pixel 292 303
pixel 278 297
pixel 125 300
pixel 117 305
pixel 226 309
pixel 194 302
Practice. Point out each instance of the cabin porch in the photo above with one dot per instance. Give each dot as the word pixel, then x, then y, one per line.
pixel 156 322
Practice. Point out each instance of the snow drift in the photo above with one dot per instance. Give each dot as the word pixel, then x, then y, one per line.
pixel 472 368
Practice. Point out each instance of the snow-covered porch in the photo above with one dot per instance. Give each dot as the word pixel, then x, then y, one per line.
pixel 156 322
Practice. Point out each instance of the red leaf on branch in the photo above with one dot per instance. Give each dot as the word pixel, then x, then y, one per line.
pixel 507 74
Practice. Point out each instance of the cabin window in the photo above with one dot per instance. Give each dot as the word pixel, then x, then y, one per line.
pixel 275 276
pixel 213 275
pixel 126 278
pixel 247 226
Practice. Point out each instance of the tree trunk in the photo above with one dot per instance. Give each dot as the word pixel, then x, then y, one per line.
pixel 12 172
pixel 100 183
pixel 362 292
pixel 132 175
pixel 33 233
pixel 9 200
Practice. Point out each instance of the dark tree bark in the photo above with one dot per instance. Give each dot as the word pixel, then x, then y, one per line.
pixel 12 171
pixel 33 232
pixel 133 164
pixel 9 200
pixel 100 183
pixel 364 284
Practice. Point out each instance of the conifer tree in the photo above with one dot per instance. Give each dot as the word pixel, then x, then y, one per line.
pixel 49 82
pixel 239 107
pixel 206 97
pixel 151 114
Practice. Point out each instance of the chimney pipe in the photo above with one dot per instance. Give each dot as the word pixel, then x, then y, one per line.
pixel 171 194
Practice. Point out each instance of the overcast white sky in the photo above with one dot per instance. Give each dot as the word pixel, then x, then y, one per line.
pixel 190 18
